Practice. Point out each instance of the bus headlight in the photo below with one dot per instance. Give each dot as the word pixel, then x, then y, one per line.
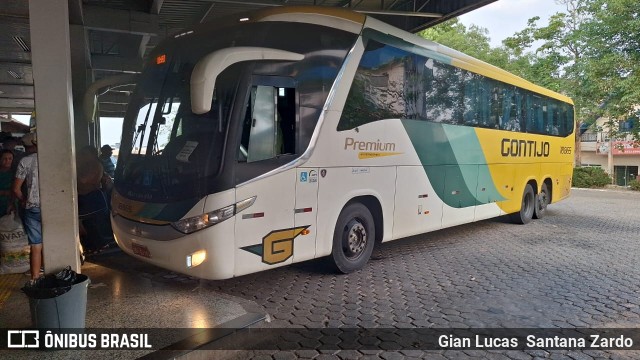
pixel 195 223
pixel 196 258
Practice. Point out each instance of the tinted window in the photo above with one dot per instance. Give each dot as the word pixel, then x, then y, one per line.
pixel 393 83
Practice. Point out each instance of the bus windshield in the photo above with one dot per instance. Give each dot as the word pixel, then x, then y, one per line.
pixel 168 153
pixel 171 153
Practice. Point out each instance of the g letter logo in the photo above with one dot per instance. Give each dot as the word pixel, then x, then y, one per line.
pixel 277 246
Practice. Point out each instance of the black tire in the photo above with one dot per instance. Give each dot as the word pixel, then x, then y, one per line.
pixel 353 238
pixel 542 200
pixel 527 208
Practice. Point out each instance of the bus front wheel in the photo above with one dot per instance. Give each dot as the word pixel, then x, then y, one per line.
pixel 527 207
pixel 542 200
pixel 353 238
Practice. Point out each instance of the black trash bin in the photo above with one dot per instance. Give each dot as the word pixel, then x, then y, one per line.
pixel 58 304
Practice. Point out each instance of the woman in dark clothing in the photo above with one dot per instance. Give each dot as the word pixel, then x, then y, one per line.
pixel 7 203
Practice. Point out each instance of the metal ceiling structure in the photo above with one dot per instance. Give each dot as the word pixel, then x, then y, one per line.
pixel 117 34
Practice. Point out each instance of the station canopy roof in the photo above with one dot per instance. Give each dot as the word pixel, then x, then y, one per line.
pixel 120 33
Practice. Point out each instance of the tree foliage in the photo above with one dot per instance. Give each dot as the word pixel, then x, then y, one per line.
pixel 473 41
pixel 555 51
pixel 613 66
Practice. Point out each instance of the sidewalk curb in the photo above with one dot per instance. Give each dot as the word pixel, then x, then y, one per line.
pixel 608 190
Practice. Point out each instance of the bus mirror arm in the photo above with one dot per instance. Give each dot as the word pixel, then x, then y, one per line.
pixel 203 77
pixel 90 100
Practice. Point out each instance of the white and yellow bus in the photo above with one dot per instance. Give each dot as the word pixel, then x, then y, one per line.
pixel 298 132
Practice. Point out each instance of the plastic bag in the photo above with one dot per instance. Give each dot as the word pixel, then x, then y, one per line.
pixel 14 246
pixel 50 286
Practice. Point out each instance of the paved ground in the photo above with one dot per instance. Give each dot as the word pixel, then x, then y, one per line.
pixel 577 267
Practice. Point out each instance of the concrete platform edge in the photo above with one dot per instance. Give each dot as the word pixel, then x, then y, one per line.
pixel 205 337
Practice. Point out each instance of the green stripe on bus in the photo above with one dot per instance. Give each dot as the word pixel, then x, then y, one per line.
pixel 453 161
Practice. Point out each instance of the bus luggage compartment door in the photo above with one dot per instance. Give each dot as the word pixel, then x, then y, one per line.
pixel 265 231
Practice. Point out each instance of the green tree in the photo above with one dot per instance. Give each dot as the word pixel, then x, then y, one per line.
pixel 613 69
pixel 593 48
pixel 553 56
pixel 590 52
pixel 555 52
pixel 473 41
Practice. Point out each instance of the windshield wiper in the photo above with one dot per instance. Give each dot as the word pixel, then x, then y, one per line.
pixel 140 131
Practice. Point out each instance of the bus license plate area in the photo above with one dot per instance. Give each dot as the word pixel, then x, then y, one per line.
pixel 140 250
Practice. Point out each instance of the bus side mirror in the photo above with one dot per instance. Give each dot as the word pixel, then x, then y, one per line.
pixel 203 77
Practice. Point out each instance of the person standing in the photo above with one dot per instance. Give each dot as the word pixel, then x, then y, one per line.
pixel 11 144
pixel 105 158
pixel 94 186
pixel 6 182
pixel 27 172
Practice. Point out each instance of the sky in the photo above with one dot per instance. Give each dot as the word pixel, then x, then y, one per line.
pixel 110 134
pixel 503 18
pixel 110 130
pixel 22 118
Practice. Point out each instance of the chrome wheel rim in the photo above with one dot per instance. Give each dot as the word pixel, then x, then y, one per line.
pixel 355 240
pixel 542 200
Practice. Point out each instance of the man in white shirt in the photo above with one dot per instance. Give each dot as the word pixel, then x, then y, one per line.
pixel 27 171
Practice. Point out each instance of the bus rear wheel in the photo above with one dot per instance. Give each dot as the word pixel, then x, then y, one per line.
pixel 542 200
pixel 527 208
pixel 353 238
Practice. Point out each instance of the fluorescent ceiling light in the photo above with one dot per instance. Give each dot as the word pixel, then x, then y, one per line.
pixel 23 44
pixel 14 74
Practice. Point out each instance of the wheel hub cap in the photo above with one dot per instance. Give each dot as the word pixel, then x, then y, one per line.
pixel 542 199
pixel 356 237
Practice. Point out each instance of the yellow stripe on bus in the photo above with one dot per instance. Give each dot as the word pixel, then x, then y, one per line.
pixel 516 158
pixel 372 155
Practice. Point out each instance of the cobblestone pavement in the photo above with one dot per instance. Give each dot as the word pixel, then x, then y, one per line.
pixel 577 267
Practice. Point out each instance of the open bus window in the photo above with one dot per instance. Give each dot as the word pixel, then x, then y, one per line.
pixel 269 127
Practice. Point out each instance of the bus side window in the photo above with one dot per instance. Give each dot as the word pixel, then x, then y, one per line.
pixel 539 113
pixel 529 111
pixel 551 119
pixel 496 105
pixel 510 115
pixel 557 118
pixel 269 128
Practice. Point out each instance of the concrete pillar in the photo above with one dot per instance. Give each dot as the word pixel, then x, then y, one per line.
pixel 49 22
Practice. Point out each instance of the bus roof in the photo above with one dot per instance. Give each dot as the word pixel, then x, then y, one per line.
pixel 300 14
pixel 357 20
